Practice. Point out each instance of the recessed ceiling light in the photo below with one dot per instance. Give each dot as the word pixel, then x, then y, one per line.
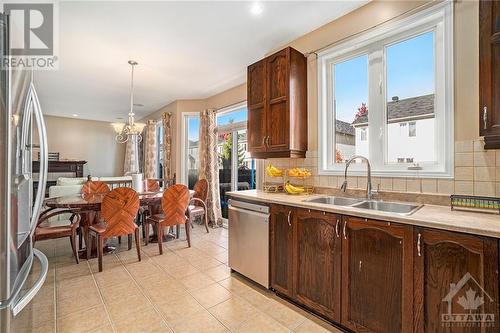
pixel 75 115
pixel 256 8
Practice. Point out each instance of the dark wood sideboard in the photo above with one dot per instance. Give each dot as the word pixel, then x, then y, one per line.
pixel 58 169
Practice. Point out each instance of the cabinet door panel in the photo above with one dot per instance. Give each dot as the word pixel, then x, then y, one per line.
pixel 377 276
pixel 318 262
pixel 489 72
pixel 256 84
pixel 256 130
pixel 465 261
pixel 278 128
pixel 277 73
pixel 282 231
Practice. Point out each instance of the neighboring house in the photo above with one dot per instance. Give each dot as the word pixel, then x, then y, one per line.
pixel 345 141
pixel 193 154
pixel 410 130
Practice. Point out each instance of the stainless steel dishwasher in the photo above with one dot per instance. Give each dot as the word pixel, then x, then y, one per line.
pixel 249 240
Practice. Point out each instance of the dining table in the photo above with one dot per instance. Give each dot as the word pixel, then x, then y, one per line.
pixel 89 206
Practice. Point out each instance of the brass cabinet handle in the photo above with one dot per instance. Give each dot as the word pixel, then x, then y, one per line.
pixel 337 228
pixel 289 215
pixel 485 117
pixel 268 138
pixel 264 140
pixel 418 245
pixel 344 231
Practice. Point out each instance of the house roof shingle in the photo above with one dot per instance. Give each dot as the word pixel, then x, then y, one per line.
pixel 406 108
pixel 344 127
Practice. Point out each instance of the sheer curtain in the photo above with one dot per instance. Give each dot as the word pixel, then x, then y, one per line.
pixel 209 164
pixel 150 151
pixel 167 145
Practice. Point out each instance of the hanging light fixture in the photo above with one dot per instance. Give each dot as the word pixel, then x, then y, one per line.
pixel 130 130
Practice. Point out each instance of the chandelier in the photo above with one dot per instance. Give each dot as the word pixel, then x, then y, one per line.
pixel 131 130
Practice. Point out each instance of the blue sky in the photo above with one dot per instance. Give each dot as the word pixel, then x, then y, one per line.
pixel 235 116
pixel 410 72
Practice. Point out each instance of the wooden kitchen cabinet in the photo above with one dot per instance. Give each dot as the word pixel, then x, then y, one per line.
pixel 443 259
pixel 489 73
pixel 277 105
pixel 319 264
pixel 282 232
pixel 377 276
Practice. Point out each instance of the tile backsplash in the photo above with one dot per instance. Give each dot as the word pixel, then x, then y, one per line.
pixel 477 172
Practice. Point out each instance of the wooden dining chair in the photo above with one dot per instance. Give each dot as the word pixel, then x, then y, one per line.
pixel 150 185
pixel 174 203
pixel 198 203
pixel 118 209
pixel 45 229
pixel 95 187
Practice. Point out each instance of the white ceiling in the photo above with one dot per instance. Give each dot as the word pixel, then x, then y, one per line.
pixel 185 50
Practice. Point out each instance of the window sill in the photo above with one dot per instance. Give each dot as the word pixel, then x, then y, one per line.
pixel 388 174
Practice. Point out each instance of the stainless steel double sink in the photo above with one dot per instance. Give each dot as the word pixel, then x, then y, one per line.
pixel 377 205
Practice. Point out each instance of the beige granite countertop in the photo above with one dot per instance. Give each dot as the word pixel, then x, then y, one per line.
pixel 439 217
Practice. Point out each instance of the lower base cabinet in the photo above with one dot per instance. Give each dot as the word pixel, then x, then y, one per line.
pixel 376 276
pixel 456 275
pixel 318 267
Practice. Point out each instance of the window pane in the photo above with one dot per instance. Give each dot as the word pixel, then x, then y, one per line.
pixel 351 108
pixel 232 117
pixel 410 100
pixel 193 127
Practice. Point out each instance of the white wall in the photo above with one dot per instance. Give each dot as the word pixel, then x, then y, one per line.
pixel 421 147
pixel 92 141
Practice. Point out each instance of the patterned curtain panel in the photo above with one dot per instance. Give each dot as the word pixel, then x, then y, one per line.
pixel 167 145
pixel 209 165
pixel 131 164
pixel 150 151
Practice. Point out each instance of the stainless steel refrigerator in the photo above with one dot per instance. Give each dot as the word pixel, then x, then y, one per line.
pixel 19 208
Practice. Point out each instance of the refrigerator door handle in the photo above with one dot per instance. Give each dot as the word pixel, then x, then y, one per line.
pixel 42 179
pixel 28 296
pixel 25 170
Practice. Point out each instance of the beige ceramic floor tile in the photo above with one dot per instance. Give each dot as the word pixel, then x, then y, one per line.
pixel 143 269
pixel 183 306
pixel 233 312
pixel 261 323
pixel 182 271
pixel 166 293
pixel 109 277
pixel 26 327
pixel 219 273
pixel 35 314
pixel 315 326
pixel 120 291
pixel 103 329
pixel 258 298
pixel 200 322
pixel 211 295
pixel 122 308
pixel 286 314
pixel 204 263
pixel 83 321
pixel 144 322
pixel 234 285
pixel 196 281
pixel 89 299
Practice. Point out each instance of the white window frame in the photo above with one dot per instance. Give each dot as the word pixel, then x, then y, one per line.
pixel 184 147
pixel 438 18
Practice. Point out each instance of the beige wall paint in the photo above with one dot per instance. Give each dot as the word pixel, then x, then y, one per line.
pixel 92 141
pixel 180 107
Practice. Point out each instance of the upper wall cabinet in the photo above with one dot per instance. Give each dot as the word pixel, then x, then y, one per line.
pixel 489 73
pixel 277 105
